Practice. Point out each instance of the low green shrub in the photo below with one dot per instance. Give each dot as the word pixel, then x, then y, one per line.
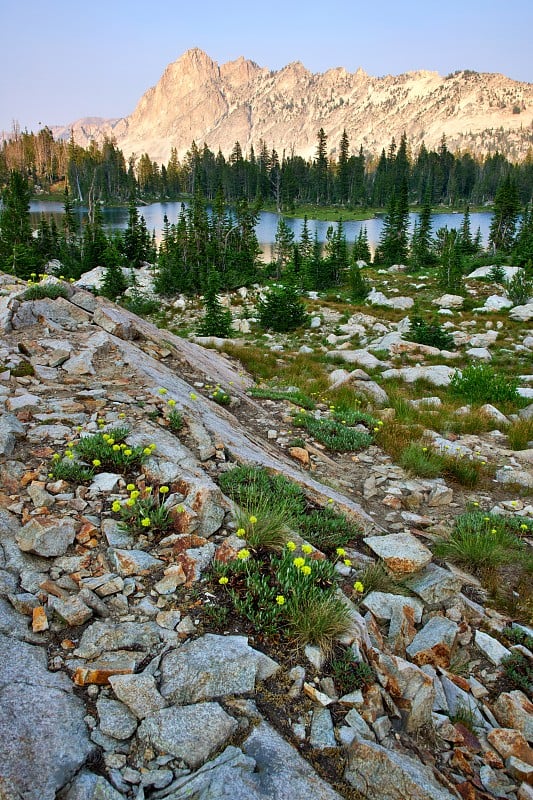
pixel 336 436
pixel 175 421
pixel 70 471
pixel 479 383
pixel 264 522
pixel 144 512
pixel 519 289
pixel 50 291
pixel 247 485
pixel 287 592
pixel 282 310
pixel 429 333
pixel 327 530
pixel 220 396
pixel 421 461
pixel 350 674
pixel 519 670
pixel 108 451
pixel 518 636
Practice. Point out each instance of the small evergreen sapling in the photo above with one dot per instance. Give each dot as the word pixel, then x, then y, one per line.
pixel 217 319
pixel 283 309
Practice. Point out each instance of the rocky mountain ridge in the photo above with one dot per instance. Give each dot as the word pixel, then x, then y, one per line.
pixel 196 99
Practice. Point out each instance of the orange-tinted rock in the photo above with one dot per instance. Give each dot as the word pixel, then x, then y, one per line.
pixel 509 742
pixel 39 620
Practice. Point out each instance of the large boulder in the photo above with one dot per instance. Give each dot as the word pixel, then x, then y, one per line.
pixel 43 736
pixel 381 773
pixel 213 666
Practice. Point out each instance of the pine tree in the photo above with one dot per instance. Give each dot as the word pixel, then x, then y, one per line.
pixel 361 248
pixel 450 273
pixel 465 234
pixel 17 249
pixel 283 246
pixel 505 217
pixel 114 283
pixel 217 319
pixel 523 249
pixel 359 287
pixel 282 310
pixel 343 173
pixel 393 242
pixel 421 255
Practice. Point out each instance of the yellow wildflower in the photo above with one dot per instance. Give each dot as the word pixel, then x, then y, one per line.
pixel 145 522
pixel 358 586
pixel 223 580
pixel 280 600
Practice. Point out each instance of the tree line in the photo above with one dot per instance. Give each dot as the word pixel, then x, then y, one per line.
pixel 286 181
pixel 214 248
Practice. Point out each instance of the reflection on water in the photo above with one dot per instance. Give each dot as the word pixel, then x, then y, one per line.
pixel 117 219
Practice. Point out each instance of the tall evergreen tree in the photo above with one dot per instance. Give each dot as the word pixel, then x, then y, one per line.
pixel 466 241
pixel 393 243
pixel 17 251
pixel 283 246
pixel 505 217
pixel 450 273
pixel 343 170
pixel 421 254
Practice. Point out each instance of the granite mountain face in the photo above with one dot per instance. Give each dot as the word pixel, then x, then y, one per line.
pixel 196 99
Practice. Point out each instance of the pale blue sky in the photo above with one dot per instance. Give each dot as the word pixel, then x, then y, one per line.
pixel 62 60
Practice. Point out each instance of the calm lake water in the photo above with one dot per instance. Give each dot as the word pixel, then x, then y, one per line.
pixel 117 219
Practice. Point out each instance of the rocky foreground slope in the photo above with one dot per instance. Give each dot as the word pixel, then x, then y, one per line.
pixel 196 99
pixel 112 684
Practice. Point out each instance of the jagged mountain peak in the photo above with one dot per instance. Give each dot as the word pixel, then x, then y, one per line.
pixel 196 98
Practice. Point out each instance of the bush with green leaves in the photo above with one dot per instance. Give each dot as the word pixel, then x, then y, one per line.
pixel 287 591
pixel 335 435
pixel 327 530
pixel 429 333
pixel 98 452
pixel 518 669
pixel 71 471
pixel 220 396
pixel 282 310
pixel 479 383
pixel 519 288
pixel 50 291
pixel 350 674
pixel 144 511
pixel 496 274
pixel 109 451
pixel 248 485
